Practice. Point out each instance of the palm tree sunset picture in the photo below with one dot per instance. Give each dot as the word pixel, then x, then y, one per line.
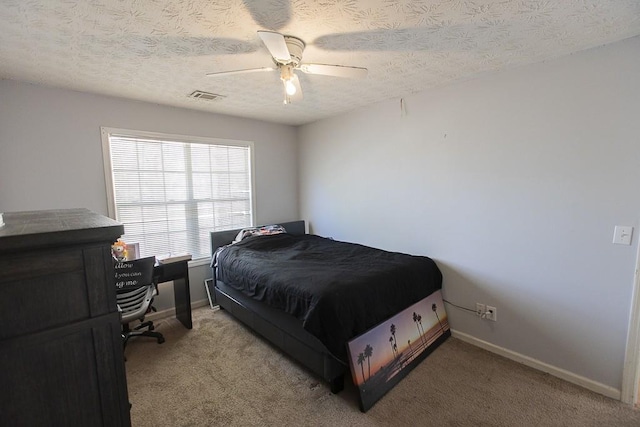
pixel 385 354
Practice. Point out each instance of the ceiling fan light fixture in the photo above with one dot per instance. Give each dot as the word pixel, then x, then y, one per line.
pixel 289 87
pixel 286 75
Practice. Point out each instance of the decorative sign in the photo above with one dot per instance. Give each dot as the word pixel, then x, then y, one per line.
pixel 135 273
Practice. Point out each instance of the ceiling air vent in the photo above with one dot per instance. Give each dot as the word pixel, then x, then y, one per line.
pixel 207 96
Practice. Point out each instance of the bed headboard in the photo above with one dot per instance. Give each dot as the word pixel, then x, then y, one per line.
pixel 221 238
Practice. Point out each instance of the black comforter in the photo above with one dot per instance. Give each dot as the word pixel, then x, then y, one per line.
pixel 338 290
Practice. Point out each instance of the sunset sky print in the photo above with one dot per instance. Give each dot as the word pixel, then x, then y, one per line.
pixel 406 329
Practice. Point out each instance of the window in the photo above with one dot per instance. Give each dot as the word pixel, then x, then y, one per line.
pixel 170 191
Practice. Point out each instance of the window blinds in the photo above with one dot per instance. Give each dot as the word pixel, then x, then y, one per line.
pixel 170 194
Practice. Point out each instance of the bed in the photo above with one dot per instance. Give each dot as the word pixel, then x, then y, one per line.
pixel 309 295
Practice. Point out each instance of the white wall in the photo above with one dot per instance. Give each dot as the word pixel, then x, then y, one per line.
pixel 513 182
pixel 51 152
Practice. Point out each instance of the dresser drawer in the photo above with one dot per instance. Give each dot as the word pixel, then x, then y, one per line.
pixel 45 289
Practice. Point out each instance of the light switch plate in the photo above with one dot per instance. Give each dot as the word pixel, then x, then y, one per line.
pixel 622 234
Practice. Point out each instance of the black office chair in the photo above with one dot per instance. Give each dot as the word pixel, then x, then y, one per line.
pixel 135 289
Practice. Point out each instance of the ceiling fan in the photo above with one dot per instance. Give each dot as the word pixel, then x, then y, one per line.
pixel 286 52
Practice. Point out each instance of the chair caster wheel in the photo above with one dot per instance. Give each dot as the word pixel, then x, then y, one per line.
pixel 160 340
pixel 151 327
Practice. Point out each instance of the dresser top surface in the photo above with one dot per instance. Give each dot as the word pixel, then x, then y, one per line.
pixel 56 227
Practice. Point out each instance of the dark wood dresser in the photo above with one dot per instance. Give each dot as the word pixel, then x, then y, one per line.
pixel 61 359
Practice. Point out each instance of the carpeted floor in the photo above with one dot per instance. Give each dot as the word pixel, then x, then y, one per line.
pixel 221 374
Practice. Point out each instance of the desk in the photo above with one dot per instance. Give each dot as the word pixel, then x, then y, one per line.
pixel 178 272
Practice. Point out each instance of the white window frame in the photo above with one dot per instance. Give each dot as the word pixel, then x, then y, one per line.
pixel 107 132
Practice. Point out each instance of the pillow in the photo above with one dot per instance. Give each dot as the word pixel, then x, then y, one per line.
pixel 266 230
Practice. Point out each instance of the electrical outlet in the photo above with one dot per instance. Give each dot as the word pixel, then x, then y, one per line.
pixel 480 309
pixel 492 313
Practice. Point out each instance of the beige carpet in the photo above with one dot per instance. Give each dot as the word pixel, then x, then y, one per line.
pixel 220 374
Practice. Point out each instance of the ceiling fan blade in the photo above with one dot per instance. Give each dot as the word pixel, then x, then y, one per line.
pixel 245 71
pixel 334 70
pixel 276 45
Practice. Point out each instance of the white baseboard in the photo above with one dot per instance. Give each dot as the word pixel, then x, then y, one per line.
pixel 171 312
pixel 541 366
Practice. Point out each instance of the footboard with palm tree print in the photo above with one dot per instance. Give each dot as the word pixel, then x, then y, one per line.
pixel 385 354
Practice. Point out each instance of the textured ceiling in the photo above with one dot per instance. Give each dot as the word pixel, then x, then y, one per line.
pixel 161 50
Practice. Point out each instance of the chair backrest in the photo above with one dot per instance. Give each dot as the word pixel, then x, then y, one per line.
pixel 135 287
pixel 134 274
